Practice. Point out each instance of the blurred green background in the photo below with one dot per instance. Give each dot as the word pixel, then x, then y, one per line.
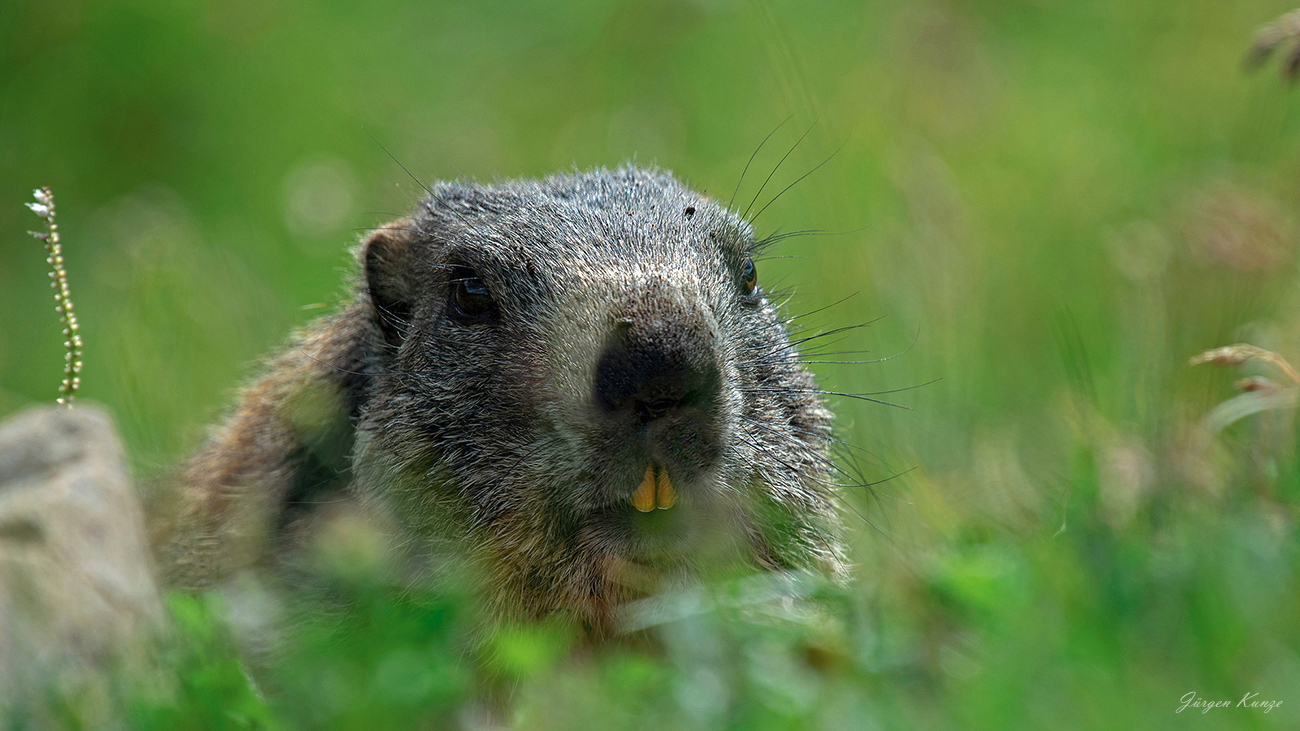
pixel 1049 205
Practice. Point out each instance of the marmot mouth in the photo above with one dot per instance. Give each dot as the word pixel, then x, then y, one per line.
pixel 656 490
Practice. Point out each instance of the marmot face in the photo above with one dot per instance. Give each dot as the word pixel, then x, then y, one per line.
pixel 581 379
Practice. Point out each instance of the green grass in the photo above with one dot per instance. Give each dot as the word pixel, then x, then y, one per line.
pixel 1051 206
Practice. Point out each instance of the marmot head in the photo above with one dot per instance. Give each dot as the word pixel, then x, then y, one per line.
pixel 582 380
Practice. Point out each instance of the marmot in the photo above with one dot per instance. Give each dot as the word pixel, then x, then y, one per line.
pixel 572 380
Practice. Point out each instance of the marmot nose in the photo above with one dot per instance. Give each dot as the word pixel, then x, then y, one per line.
pixel 660 358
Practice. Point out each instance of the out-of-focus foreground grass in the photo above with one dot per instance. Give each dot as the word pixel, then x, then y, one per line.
pixel 1050 207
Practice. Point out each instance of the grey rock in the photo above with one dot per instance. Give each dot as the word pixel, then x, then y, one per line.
pixel 76 582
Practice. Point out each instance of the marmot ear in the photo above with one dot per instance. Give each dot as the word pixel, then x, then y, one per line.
pixel 385 263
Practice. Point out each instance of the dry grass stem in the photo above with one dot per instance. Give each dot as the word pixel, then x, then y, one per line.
pixel 1232 355
pixel 1285 30
pixel 1260 393
pixel 44 207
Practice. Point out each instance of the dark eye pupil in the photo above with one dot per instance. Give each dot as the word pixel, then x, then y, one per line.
pixel 470 298
pixel 750 275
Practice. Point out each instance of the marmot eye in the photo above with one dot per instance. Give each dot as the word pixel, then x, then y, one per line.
pixel 470 299
pixel 749 278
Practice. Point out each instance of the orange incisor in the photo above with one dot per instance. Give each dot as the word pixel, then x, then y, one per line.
pixel 656 491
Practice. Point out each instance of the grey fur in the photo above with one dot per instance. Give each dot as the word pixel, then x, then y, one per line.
pixel 489 436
